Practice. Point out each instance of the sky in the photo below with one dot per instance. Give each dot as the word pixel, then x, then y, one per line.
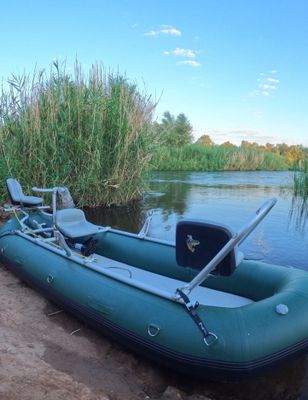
pixel 238 69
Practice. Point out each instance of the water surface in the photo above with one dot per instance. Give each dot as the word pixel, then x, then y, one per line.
pixel 230 198
pixel 225 197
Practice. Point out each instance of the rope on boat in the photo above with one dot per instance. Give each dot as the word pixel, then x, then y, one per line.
pixel 208 337
pixel 27 230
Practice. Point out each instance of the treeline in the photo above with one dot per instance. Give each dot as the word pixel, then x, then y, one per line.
pixel 177 151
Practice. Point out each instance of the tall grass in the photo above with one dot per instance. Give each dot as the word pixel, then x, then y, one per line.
pixel 215 158
pixel 299 208
pixel 301 179
pixel 89 131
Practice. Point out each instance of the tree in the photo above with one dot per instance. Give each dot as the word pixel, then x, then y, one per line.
pixel 294 154
pixel 269 147
pixel 175 131
pixel 205 140
pixel 183 130
pixel 168 121
pixel 228 144
pixel 282 148
pixel 245 144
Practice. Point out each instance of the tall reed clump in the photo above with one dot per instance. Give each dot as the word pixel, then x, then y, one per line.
pixel 250 159
pixel 301 179
pixel 91 132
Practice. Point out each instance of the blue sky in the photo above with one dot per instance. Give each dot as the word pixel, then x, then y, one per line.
pixel 238 69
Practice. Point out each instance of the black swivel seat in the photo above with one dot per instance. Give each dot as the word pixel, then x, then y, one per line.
pixel 198 242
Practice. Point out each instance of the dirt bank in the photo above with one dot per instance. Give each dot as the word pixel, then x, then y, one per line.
pixel 40 359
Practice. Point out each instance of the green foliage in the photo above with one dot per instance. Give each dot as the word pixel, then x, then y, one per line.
pixel 174 131
pixel 205 140
pixel 273 162
pixel 91 132
pixel 244 159
pixel 251 159
pixel 301 179
pixel 197 157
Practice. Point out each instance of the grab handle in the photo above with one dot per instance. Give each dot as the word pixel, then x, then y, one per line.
pixel 54 199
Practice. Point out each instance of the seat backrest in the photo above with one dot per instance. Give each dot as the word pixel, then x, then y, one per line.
pixel 69 216
pixel 198 242
pixel 14 190
pixel 72 223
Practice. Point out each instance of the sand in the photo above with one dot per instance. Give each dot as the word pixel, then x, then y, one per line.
pixel 54 356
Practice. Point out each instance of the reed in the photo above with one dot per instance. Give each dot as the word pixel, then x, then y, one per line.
pixel 300 182
pixel 89 131
pixel 197 157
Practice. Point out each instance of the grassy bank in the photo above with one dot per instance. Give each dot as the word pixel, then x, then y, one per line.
pixel 215 158
pixel 90 131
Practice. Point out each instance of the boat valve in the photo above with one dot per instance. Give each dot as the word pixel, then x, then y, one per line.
pixel 49 278
pixel 282 309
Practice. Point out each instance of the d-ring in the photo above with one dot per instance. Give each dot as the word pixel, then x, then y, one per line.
pixel 153 330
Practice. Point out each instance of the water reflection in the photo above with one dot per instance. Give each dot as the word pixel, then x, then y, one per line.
pixel 299 212
pixel 129 218
pixel 226 197
pixel 174 199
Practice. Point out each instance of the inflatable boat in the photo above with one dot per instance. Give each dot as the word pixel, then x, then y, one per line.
pixel 195 305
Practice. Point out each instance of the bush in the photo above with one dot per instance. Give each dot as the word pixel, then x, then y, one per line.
pixel 91 132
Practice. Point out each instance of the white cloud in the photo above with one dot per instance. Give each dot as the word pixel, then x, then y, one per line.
pixel 267 84
pixel 164 30
pixel 274 80
pixel 180 52
pixel 192 63
pixel 171 31
pixel 151 33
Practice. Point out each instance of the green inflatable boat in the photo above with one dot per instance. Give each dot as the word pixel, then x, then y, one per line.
pixel 196 305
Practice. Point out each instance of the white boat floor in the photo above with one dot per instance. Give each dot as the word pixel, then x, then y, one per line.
pixel 203 295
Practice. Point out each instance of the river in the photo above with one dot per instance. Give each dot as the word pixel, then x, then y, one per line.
pixel 230 198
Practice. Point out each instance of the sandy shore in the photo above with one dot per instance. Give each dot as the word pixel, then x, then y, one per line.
pixel 41 359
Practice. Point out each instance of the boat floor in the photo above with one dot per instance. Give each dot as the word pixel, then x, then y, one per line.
pixel 203 295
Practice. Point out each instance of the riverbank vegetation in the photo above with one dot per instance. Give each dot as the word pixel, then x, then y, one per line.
pixel 90 131
pixel 178 152
pixel 196 157
pixel 301 179
pixel 94 132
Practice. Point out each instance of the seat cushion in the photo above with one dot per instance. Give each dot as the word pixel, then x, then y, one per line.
pixel 73 224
